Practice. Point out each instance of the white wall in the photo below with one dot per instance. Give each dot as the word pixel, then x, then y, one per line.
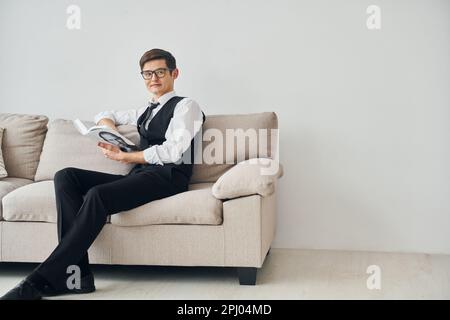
pixel 364 115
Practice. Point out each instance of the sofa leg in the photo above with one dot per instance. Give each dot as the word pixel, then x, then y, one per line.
pixel 247 275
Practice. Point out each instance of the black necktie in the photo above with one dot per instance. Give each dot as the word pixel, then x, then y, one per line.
pixel 149 112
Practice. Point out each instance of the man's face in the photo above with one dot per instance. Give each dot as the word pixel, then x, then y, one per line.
pixel 159 85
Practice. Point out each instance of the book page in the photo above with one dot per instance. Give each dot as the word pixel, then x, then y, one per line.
pixel 106 134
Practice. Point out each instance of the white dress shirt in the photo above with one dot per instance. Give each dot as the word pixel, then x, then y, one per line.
pixel 185 124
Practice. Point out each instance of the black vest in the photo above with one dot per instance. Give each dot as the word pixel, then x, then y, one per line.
pixel 155 135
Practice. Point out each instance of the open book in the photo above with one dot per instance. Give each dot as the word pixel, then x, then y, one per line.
pixel 106 134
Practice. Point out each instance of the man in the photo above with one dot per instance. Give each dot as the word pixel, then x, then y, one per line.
pixel 167 127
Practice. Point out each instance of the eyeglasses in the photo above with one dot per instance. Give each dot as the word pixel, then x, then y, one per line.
pixel 160 73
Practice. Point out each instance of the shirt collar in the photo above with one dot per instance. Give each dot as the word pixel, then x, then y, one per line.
pixel 164 98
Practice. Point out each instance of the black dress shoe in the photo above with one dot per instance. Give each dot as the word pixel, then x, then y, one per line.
pixel 86 286
pixel 25 290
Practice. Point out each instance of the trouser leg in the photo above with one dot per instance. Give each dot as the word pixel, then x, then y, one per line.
pixel 70 185
pixel 101 200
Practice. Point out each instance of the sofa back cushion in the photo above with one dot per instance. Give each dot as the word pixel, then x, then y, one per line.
pixel 229 139
pixel 65 147
pixel 23 137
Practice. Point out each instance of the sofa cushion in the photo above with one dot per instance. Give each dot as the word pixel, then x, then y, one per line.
pixel 214 161
pixel 9 184
pixel 40 204
pixel 39 207
pixel 253 176
pixel 65 147
pixel 22 143
pixel 195 206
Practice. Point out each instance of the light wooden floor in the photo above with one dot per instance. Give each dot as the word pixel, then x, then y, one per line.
pixel 286 274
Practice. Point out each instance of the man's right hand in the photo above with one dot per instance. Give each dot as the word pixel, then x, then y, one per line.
pixel 109 123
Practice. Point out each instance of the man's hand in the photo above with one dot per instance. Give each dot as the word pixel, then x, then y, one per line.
pixel 113 152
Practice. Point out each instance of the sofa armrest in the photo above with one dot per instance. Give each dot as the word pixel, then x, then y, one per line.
pixel 253 176
pixel 249 229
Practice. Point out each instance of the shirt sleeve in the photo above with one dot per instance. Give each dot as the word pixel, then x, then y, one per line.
pixel 186 122
pixel 121 117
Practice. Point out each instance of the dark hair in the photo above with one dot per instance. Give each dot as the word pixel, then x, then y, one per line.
pixel 156 54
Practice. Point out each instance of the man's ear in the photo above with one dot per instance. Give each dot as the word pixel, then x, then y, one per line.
pixel 175 73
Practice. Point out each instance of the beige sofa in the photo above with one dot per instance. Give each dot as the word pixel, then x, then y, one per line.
pixel 227 217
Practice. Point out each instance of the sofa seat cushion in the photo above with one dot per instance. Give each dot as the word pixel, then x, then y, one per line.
pixel 195 206
pixel 32 202
pixel 9 184
pixel 39 207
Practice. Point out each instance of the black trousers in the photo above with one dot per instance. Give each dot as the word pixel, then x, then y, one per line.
pixel 85 198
